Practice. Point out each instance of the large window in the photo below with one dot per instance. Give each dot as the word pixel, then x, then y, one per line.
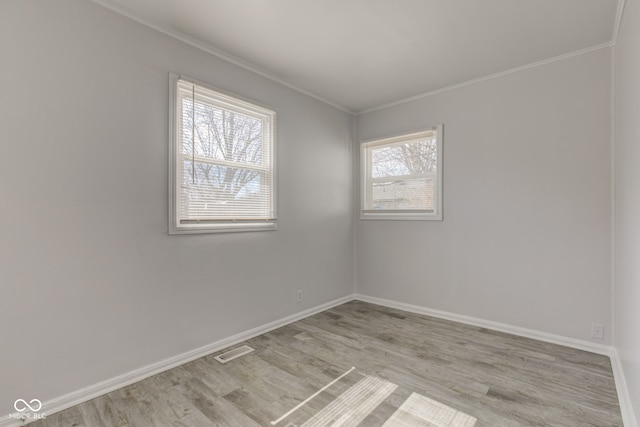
pixel 222 175
pixel 401 177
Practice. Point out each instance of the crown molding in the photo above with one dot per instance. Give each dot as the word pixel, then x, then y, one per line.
pixel 206 47
pixel 491 76
pixel 618 21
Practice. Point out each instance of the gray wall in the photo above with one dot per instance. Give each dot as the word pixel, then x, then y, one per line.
pixel 526 233
pixel 92 285
pixel 627 206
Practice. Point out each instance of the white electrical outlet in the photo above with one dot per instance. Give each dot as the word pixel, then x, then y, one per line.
pixel 299 296
pixel 597 331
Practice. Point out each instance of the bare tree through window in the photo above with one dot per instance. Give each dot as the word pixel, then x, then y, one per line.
pixel 225 167
pixel 226 136
pixel 401 176
pixel 407 171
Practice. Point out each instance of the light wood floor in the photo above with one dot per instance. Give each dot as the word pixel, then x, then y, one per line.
pixel 496 378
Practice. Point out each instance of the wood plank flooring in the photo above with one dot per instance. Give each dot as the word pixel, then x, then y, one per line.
pixel 436 372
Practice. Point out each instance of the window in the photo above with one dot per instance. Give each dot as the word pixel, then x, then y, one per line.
pixel 401 177
pixel 221 162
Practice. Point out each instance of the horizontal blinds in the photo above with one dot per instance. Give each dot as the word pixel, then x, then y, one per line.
pixel 225 158
pixel 401 174
pixel 403 194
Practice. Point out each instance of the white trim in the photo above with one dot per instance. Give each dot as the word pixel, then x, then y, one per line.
pixel 79 396
pixel 489 324
pixel 489 77
pixel 626 408
pixel 366 179
pixel 612 189
pixel 624 399
pixel 7 422
pixel 264 73
pixel 355 201
pixel 225 101
pixel 215 52
pixel 618 21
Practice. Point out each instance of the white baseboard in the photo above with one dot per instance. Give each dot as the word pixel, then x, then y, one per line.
pixel 79 396
pixel 626 409
pixel 58 404
pixel 488 324
pixel 628 416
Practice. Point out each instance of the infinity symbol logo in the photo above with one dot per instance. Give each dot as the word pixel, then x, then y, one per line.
pixel 21 405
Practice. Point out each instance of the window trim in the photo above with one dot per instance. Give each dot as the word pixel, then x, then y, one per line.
pixel 173 192
pixel 411 215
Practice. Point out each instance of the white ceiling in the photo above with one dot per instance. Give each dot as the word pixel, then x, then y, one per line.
pixel 361 54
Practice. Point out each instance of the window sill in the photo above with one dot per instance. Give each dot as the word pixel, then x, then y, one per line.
pixel 401 217
pixel 222 228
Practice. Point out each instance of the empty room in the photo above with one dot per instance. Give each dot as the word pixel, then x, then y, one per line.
pixel 320 213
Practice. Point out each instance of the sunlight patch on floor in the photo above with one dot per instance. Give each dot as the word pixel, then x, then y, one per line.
pixel 354 405
pixel 420 411
pixel 360 400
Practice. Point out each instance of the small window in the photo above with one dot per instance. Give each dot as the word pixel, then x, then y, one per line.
pixel 222 153
pixel 401 177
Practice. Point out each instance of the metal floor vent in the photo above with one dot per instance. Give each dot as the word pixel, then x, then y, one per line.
pixel 232 354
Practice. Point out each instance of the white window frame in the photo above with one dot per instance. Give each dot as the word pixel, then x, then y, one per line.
pixel 366 178
pixel 175 224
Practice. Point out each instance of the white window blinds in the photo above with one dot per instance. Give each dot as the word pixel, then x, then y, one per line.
pixel 402 176
pixel 223 168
